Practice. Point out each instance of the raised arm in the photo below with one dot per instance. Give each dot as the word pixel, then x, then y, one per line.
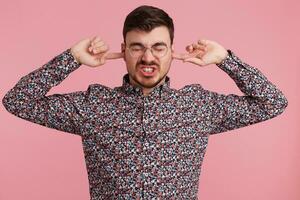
pixel 262 99
pixel 66 112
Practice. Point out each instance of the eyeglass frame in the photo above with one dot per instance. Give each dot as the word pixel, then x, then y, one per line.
pixel 146 48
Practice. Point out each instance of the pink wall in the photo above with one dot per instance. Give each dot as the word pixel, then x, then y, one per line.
pixel 257 162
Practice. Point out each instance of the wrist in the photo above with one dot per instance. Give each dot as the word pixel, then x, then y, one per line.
pixel 223 56
pixel 75 55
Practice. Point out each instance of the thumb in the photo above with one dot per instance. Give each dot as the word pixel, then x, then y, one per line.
pixel 196 61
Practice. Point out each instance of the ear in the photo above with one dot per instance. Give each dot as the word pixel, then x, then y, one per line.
pixel 123 47
pixel 172 51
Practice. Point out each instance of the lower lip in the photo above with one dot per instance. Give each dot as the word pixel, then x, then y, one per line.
pixel 148 74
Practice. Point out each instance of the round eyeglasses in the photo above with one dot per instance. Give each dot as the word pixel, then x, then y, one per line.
pixel 158 50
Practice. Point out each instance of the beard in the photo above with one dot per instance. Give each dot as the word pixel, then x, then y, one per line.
pixel 148 82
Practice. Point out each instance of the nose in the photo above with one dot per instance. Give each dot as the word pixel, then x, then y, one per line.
pixel 148 56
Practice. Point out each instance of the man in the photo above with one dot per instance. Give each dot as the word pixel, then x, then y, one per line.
pixel 145 140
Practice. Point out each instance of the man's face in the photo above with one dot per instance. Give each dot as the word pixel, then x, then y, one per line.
pixel 147 70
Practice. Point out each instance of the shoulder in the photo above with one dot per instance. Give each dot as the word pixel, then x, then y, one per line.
pixel 98 91
pixel 187 94
pixel 198 93
pixel 191 89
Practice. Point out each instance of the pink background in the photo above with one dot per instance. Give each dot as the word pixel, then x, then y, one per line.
pixel 256 162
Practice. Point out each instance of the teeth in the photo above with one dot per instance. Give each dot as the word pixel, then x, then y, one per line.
pixel 148 69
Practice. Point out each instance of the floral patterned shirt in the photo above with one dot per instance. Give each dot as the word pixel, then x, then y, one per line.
pixel 144 147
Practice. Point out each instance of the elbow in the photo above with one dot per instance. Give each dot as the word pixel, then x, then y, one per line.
pixel 279 105
pixel 10 103
pixel 284 103
pixel 6 102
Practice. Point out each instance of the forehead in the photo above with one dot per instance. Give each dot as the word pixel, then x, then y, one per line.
pixel 158 34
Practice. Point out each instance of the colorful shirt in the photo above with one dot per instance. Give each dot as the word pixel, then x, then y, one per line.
pixel 144 147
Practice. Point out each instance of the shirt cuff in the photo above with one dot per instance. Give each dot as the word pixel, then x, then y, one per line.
pixel 72 58
pixel 231 63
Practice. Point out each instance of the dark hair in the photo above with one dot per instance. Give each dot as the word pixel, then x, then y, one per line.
pixel 146 18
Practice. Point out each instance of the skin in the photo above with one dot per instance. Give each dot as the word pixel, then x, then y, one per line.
pixel 94 52
pixel 162 65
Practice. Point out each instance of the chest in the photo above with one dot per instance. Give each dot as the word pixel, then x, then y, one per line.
pixel 162 131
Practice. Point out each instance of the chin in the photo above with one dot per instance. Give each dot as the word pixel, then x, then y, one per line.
pixel 150 83
pixel 149 86
pixel 146 82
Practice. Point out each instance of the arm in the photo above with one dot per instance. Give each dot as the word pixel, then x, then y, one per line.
pixel 64 112
pixel 28 100
pixel 262 100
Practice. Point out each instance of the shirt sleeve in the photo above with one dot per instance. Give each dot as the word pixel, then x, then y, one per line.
pixel 28 100
pixel 262 100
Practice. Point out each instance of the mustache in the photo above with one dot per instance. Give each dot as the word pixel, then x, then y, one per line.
pixel 148 63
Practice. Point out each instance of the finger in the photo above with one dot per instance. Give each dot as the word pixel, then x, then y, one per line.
pixel 196 46
pixel 100 50
pixel 99 43
pixel 195 53
pixel 114 55
pixel 199 47
pixel 91 41
pixel 200 53
pixel 103 58
pixel 90 49
pixel 95 39
pixel 97 47
pixel 180 56
pixel 196 61
pixel 189 48
pixel 203 42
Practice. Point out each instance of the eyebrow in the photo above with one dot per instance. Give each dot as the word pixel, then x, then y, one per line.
pixel 140 44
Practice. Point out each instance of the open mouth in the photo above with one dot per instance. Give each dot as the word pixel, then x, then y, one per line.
pixel 148 70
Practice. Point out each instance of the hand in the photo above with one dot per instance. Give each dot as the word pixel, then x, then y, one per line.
pixel 203 53
pixel 93 52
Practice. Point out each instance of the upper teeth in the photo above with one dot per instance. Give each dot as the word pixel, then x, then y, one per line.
pixel 148 69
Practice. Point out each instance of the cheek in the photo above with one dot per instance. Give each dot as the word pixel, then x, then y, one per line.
pixel 166 63
pixel 130 62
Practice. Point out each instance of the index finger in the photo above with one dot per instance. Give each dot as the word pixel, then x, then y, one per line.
pixel 114 55
pixel 179 56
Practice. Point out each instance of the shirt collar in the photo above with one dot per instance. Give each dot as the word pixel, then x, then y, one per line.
pixel 131 89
